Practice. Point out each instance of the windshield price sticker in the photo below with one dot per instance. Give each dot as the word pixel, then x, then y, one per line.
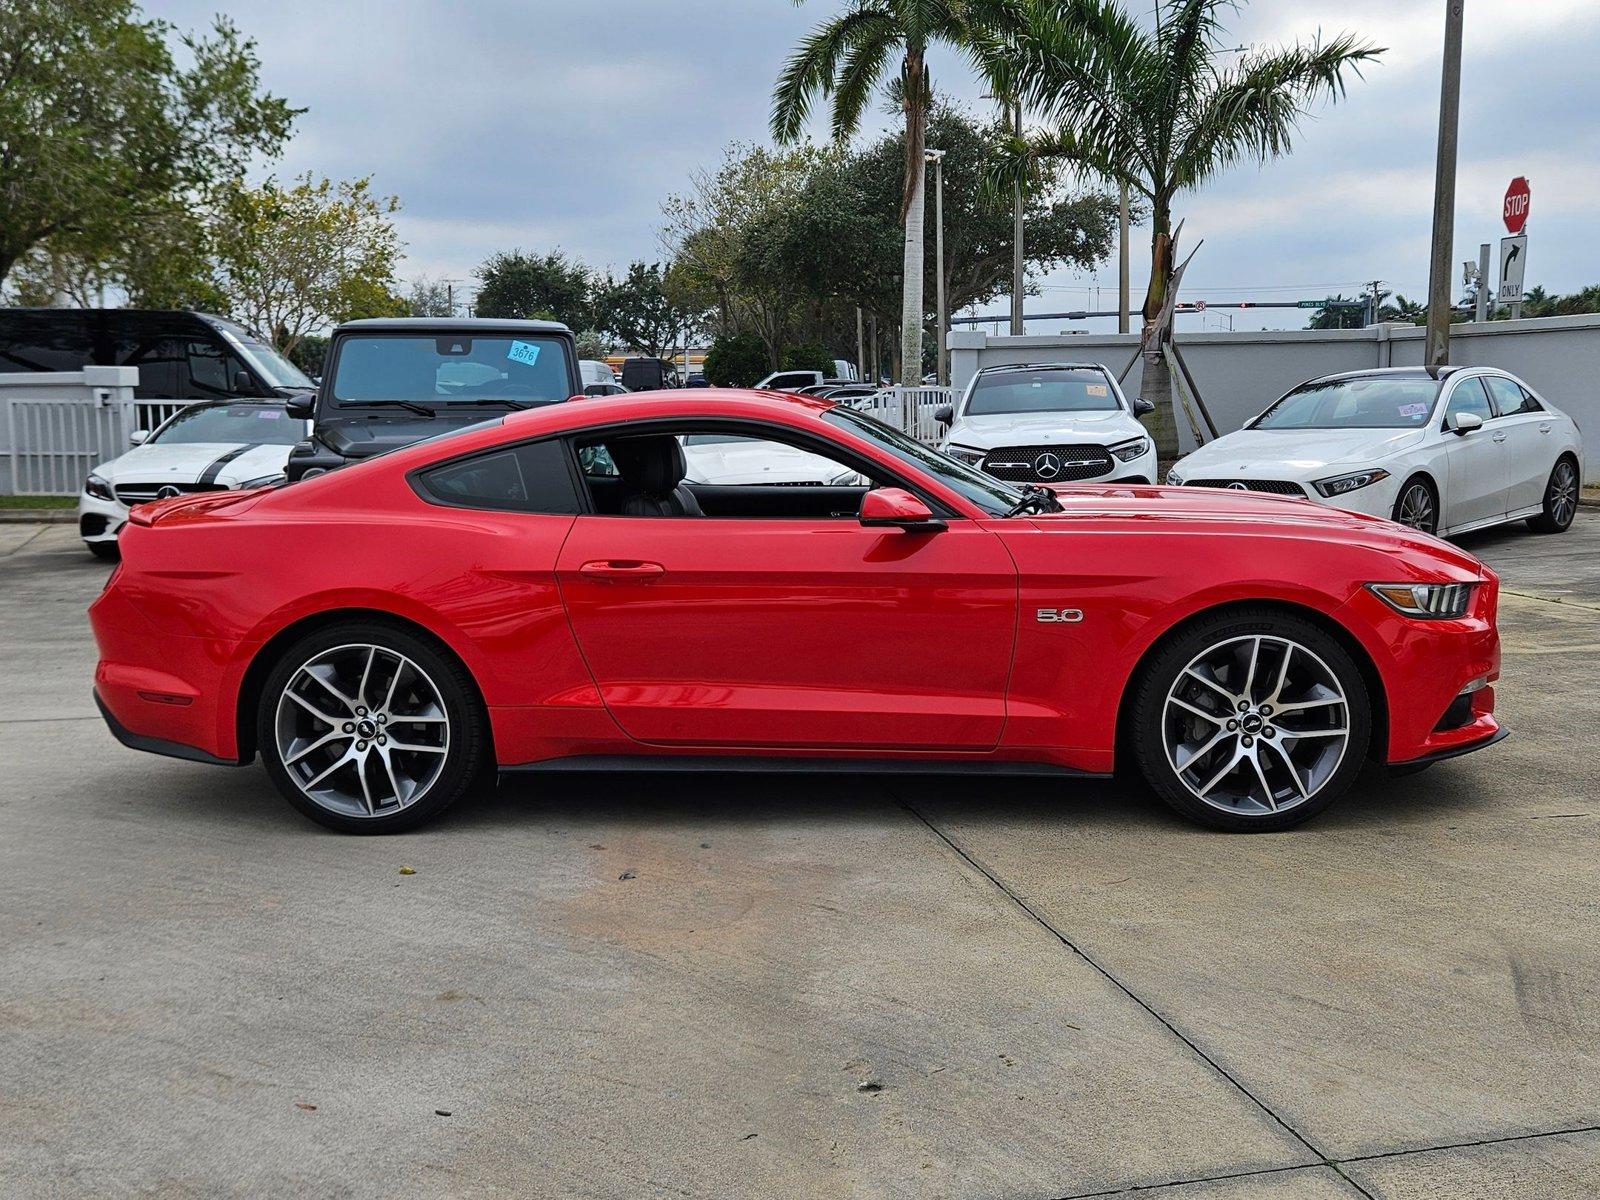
pixel 525 353
pixel 1097 389
pixel 271 414
pixel 1415 411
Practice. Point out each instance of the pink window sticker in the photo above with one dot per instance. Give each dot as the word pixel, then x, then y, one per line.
pixel 270 414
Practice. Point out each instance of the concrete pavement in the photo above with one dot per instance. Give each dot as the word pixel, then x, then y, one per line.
pixel 790 987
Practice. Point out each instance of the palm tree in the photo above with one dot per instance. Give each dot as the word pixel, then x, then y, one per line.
pixel 845 59
pixel 1155 107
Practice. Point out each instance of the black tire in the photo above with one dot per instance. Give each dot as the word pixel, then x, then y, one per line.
pixel 1560 499
pixel 1417 494
pixel 1150 708
pixel 465 733
pixel 105 551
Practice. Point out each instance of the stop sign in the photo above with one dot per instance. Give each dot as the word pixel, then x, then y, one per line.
pixel 1515 208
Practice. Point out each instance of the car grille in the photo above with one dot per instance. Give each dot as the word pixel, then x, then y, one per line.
pixel 143 493
pixel 1047 464
pixel 1278 487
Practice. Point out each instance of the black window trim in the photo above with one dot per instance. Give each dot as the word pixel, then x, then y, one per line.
pixel 756 427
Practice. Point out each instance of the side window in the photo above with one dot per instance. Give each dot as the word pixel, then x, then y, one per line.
pixel 1508 397
pixel 532 478
pixel 1468 396
pixel 163 367
pixel 209 369
pixel 45 341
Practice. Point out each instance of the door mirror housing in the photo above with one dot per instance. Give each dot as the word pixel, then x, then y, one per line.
pixel 138 437
pixel 898 508
pixel 1464 423
pixel 945 414
pixel 302 407
pixel 240 383
pixel 1142 407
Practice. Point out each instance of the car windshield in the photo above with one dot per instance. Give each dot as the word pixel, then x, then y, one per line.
pixel 1365 402
pixel 987 492
pixel 277 370
pixel 251 424
pixel 1074 389
pixel 450 369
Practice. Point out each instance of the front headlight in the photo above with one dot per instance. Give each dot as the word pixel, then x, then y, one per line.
pixel 1130 450
pixel 263 481
pixel 966 454
pixel 1339 485
pixel 1428 601
pixel 99 488
pixel 1174 479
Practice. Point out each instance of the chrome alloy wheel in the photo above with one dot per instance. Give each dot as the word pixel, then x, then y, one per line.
pixel 1416 508
pixel 1563 500
pixel 1255 724
pixel 362 730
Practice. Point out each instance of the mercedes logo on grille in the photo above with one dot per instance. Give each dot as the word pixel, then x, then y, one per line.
pixel 1047 466
pixel 168 492
pixel 1238 486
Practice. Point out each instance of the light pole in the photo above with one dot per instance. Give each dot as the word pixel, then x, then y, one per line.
pixel 1016 234
pixel 1122 262
pixel 936 157
pixel 1437 353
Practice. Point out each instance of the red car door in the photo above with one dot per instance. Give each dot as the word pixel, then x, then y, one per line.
pixel 794 633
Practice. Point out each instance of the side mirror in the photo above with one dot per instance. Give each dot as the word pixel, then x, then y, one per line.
pixel 240 383
pixel 898 508
pixel 138 437
pixel 945 414
pixel 302 407
pixel 1464 423
pixel 1142 407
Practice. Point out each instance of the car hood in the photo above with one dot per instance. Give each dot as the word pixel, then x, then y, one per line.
pixel 1298 454
pixel 225 463
pixel 756 462
pixel 1044 429
pixel 1244 514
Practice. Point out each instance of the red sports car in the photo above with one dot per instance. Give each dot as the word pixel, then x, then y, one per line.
pixel 574 588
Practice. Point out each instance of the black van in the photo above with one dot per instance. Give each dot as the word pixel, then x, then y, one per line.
pixel 648 374
pixel 180 355
pixel 391 381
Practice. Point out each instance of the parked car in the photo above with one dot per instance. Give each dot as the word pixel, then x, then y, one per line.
pixel 180 355
pixel 604 389
pixel 385 634
pixel 1050 423
pixel 393 381
pixel 1444 451
pixel 648 374
pixel 593 371
pixel 211 446
pixel 696 379
pixel 789 381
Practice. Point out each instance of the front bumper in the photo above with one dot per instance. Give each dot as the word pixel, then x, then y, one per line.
pixel 100 520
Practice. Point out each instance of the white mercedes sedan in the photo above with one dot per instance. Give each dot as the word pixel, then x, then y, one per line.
pixel 1445 451
pixel 207 447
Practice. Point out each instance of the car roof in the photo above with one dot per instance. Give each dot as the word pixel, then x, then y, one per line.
pixel 1391 373
pixel 1044 366
pixel 455 324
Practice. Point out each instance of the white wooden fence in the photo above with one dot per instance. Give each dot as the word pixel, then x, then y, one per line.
pixel 909 409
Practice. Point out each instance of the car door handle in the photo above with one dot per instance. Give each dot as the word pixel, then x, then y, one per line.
pixel 1499 437
pixel 622 570
pixel 1544 429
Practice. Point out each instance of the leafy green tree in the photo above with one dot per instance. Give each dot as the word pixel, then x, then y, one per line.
pixel 102 131
pixel 844 59
pixel 293 259
pixel 430 298
pixel 641 313
pixel 1154 106
pixel 532 286
pixel 1539 303
pixel 736 360
pixel 592 343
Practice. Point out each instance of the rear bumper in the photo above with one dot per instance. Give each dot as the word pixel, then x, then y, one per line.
pixel 154 745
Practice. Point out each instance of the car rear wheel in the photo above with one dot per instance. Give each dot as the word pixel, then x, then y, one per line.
pixel 1560 499
pixel 1417 506
pixel 367 728
pixel 1251 721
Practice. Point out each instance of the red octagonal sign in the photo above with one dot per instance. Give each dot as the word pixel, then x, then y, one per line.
pixel 1515 209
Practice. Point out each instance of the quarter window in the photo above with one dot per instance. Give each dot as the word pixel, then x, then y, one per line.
pixel 533 478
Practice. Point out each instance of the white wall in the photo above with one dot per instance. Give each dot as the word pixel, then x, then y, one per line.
pixel 1239 374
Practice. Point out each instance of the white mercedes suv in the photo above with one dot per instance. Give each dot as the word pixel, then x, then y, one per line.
pixel 1050 423
pixel 1445 450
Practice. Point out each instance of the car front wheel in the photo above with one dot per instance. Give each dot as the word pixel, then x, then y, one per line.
pixel 1560 499
pixel 1251 721
pixel 367 728
pixel 1417 506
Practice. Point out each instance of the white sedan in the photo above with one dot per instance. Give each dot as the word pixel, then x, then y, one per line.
pixel 1050 423
pixel 200 448
pixel 1445 451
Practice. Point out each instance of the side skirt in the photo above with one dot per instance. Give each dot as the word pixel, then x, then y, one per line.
pixel 773 764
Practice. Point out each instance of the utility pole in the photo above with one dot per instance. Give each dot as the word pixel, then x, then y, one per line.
pixel 1373 303
pixel 1016 233
pixel 942 359
pixel 1481 312
pixel 1122 263
pixel 1444 191
pixel 861 346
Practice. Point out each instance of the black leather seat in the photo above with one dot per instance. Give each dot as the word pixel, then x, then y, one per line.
pixel 652 470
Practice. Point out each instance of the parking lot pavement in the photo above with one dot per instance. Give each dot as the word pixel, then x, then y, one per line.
pixel 793 987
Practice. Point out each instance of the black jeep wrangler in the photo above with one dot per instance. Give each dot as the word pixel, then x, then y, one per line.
pixel 393 381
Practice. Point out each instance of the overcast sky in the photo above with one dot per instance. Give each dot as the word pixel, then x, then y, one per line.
pixel 541 124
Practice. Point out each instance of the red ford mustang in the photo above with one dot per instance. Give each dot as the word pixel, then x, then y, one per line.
pixel 610 584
